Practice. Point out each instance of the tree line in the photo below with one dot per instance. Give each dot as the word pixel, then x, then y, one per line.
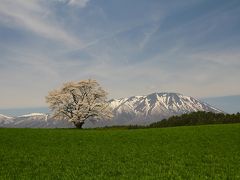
pixel 191 119
pixel 198 118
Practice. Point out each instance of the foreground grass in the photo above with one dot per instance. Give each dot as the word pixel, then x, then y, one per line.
pixel 199 152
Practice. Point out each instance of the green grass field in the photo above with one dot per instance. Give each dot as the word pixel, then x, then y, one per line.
pixel 198 152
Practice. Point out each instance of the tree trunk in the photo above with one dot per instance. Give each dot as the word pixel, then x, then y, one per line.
pixel 78 124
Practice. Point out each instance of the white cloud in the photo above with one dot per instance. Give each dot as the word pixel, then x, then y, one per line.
pixel 79 3
pixel 224 58
pixel 148 35
pixel 35 17
pixel 153 59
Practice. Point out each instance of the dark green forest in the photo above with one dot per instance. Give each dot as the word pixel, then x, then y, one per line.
pixel 198 118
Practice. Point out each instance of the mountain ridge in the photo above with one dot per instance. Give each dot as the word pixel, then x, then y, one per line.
pixel 155 106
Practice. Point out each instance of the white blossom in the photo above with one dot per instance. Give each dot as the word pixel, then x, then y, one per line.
pixel 79 101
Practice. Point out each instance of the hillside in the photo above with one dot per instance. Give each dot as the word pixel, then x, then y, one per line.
pixel 34 120
pixel 199 152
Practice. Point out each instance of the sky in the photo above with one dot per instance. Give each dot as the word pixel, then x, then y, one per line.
pixel 130 47
pixel 229 104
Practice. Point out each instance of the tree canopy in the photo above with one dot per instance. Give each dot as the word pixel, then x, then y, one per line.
pixel 79 101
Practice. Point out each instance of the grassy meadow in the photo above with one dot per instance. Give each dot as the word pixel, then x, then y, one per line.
pixel 197 152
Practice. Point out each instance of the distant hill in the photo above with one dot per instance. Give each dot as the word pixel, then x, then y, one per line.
pixel 33 120
pixel 20 111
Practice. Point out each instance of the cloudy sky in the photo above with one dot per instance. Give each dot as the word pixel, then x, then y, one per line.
pixel 132 47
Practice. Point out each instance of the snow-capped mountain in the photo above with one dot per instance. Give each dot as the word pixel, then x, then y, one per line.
pixel 35 120
pixel 154 107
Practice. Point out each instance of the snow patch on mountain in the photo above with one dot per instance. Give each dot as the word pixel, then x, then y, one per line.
pixel 4 120
pixel 32 114
pixel 154 107
pixel 4 117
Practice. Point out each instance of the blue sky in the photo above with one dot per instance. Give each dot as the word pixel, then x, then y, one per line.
pixel 132 47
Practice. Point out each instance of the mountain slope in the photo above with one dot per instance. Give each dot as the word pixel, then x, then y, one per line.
pixel 4 117
pixel 154 107
pixel 4 120
pixel 35 120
